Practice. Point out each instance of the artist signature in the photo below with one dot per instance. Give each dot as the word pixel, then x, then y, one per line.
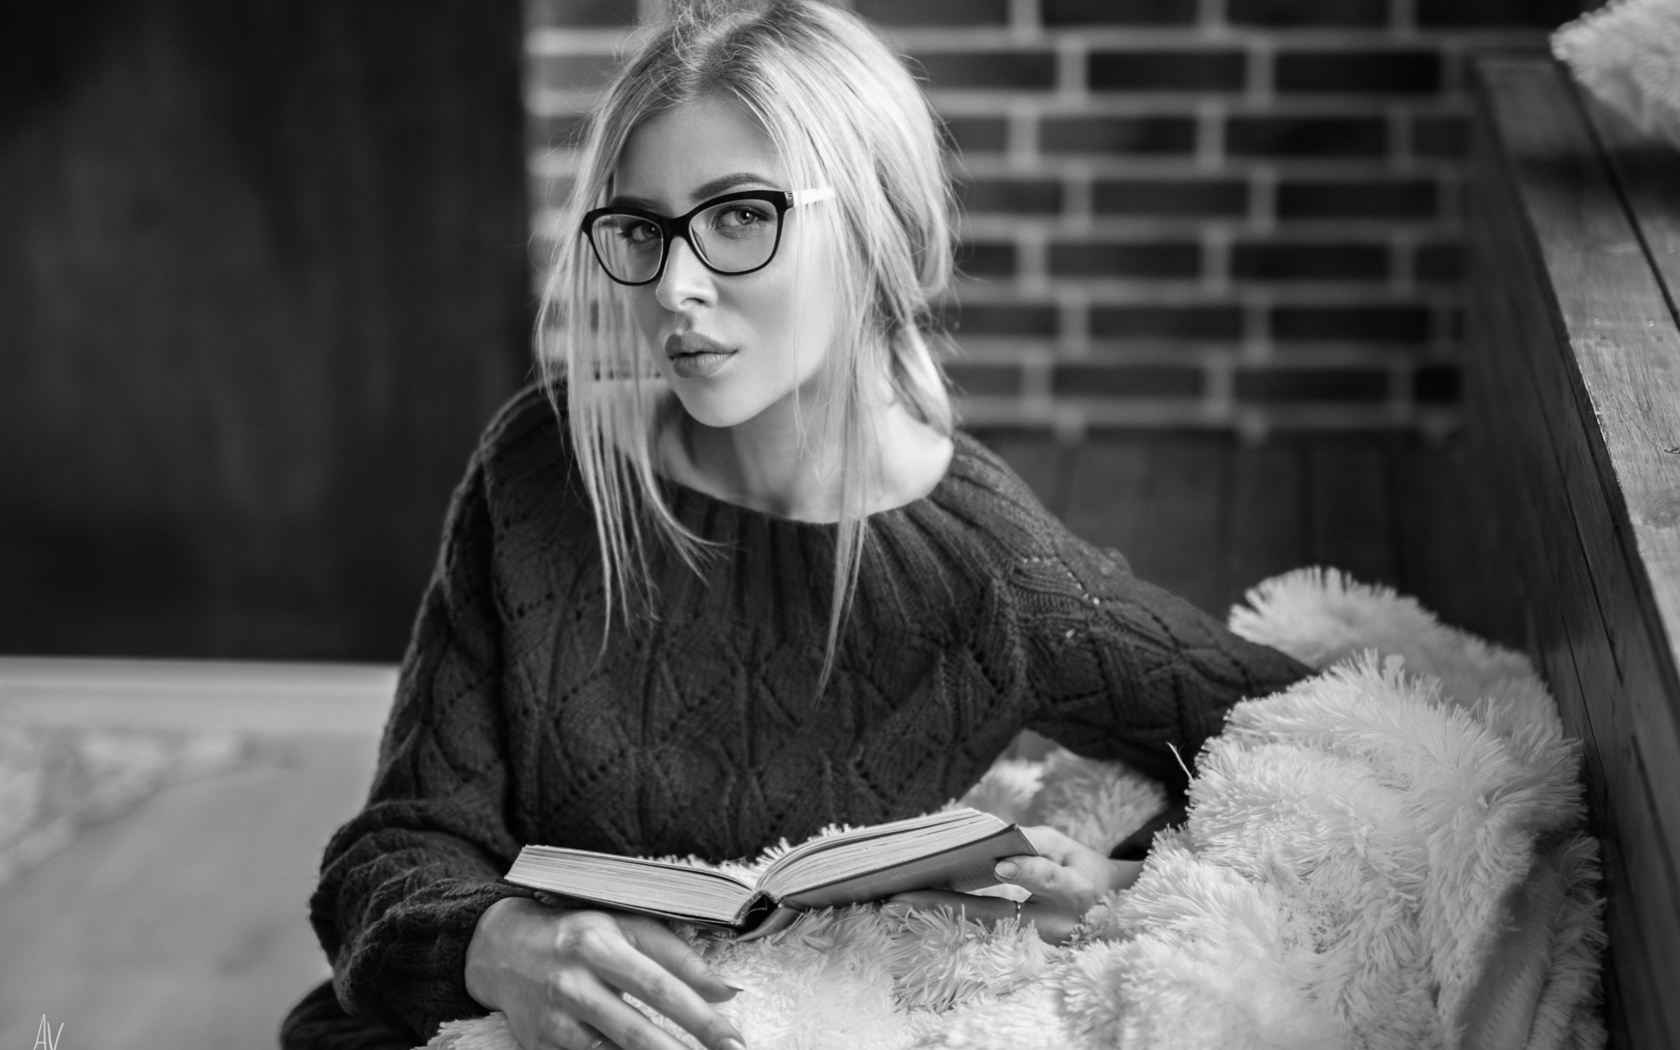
pixel 45 1037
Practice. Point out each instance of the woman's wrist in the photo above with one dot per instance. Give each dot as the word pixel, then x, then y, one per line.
pixel 484 952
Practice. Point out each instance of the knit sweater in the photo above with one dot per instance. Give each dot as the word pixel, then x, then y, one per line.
pixel 698 732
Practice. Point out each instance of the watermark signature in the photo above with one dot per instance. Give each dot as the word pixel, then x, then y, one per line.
pixel 45 1037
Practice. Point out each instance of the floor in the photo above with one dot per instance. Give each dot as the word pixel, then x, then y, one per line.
pixel 183 922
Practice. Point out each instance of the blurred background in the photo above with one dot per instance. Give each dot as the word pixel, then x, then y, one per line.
pixel 269 267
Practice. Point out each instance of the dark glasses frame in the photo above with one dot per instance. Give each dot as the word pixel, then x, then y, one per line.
pixel 670 229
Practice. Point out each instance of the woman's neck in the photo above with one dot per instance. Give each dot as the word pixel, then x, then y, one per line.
pixel 768 464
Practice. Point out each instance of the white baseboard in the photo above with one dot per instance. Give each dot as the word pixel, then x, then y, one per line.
pixel 338 699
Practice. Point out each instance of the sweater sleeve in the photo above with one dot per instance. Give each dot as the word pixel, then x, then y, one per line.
pixel 1120 668
pixel 404 883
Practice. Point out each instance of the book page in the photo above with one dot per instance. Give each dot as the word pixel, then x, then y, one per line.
pixel 961 866
pixel 848 839
pixel 656 887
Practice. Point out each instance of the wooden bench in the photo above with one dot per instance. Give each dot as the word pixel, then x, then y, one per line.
pixel 1573 423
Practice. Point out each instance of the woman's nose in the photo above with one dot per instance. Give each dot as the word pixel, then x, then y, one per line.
pixel 686 281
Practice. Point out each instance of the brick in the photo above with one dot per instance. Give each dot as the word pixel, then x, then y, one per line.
pixel 993 431
pixel 1127 381
pixel 1357 199
pixel 1311 384
pixel 1441 137
pixel 978 134
pixel 1270 261
pixel 1187 197
pixel 1121 259
pixel 1158 70
pixel 985 380
pixel 581 14
pixel 1023 319
pixel 575 72
pixel 1307 14
pixel 1152 135
pixel 987 258
pixel 1262 136
pixel 1060 13
pixel 1441 262
pixel 1435 385
pixel 1455 196
pixel 1014 196
pixel 1389 72
pixel 934 12
pixel 1001 70
pixel 1540 14
pixel 1212 321
pixel 1375 323
pixel 557 132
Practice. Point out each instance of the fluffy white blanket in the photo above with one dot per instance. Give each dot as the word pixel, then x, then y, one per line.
pixel 1627 53
pixel 1388 854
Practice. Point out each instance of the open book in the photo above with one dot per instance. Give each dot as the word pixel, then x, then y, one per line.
pixel 953 850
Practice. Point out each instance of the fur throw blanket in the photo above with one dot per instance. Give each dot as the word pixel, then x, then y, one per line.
pixel 1627 54
pixel 1388 854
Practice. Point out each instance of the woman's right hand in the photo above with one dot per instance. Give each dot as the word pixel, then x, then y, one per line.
pixel 559 975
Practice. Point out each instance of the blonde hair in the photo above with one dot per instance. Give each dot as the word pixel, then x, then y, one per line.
pixel 841 110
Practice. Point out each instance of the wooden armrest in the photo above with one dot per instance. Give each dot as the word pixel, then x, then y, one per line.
pixel 1573 421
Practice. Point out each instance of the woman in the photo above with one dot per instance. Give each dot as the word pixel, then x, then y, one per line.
pixel 742 578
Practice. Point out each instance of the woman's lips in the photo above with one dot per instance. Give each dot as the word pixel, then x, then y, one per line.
pixel 693 356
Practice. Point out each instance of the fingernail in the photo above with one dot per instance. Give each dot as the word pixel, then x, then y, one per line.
pixel 731 985
pixel 1006 869
pixel 732 1044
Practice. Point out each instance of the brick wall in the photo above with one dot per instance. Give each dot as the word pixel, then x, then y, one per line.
pixel 1208 213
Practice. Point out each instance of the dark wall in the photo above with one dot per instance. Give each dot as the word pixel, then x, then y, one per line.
pixel 263 277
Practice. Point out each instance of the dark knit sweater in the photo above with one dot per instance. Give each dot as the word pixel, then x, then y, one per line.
pixel 976 615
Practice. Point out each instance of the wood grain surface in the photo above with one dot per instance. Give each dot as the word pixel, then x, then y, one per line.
pixel 1573 378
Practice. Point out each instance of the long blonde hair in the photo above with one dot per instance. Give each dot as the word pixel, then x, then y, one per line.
pixel 841 110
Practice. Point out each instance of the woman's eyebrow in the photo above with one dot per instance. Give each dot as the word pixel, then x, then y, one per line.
pixel 729 182
pixel 722 184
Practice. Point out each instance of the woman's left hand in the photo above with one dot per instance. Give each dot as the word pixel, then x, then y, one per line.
pixel 1065 880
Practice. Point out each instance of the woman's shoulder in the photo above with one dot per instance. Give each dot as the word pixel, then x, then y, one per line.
pixel 527 437
pixel 533 414
pixel 523 461
pixel 983 493
pixel 1029 544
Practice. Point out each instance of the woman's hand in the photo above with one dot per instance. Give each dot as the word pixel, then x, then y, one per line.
pixel 560 976
pixel 1065 880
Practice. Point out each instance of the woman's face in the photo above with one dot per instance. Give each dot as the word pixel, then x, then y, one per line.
pixel 732 346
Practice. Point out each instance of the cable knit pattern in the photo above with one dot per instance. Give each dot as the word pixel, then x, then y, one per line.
pixel 976 615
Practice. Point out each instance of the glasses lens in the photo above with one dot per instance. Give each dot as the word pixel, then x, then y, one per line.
pixel 628 246
pixel 736 236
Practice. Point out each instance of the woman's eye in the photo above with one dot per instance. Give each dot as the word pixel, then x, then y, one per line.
pixel 742 216
pixel 640 232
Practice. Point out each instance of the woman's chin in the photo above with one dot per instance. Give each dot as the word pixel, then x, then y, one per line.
pixel 712 407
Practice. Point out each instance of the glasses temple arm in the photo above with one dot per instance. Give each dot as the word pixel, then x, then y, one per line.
pixel 799 197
